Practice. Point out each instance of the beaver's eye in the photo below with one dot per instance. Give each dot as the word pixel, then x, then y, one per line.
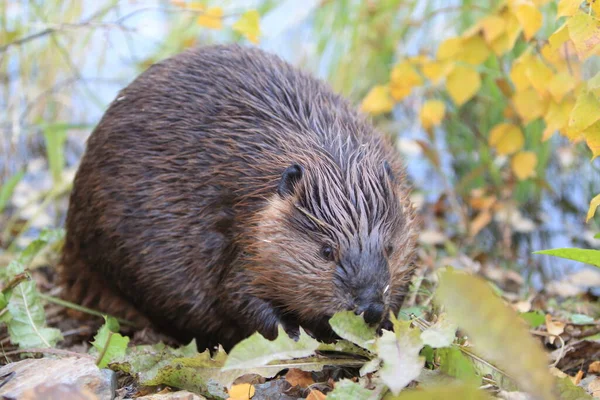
pixel 389 249
pixel 327 252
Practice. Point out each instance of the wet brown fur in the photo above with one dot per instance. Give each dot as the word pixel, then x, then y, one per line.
pixel 175 216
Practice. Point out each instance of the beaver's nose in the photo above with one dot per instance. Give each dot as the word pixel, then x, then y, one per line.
pixel 373 312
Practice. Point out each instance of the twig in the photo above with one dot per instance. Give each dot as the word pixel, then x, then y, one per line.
pixel 59 352
pixel 83 309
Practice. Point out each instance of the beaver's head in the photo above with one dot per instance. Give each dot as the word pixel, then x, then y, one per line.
pixel 335 236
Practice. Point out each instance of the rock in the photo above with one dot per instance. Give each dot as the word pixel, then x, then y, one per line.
pixel 62 391
pixel 74 375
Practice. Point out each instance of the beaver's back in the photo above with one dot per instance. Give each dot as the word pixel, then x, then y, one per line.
pixel 182 157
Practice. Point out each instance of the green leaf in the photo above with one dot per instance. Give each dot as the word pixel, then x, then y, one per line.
pixel 581 319
pixel 569 391
pixel 597 236
pixel 534 318
pixel 109 343
pixel 346 389
pixel 503 338
pixel 26 319
pixel 454 363
pixel 257 351
pixel 591 257
pixel 353 327
pixel 187 369
pixel 449 392
pixel 399 351
pixel 7 189
pixel 440 334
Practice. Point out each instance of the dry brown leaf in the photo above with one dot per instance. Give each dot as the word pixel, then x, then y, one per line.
pixel 480 222
pixel 594 367
pixel 554 328
pixel 297 377
pixel 316 395
pixel 577 378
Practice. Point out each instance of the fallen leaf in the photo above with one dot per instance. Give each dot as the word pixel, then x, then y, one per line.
pixel 315 395
pixel 297 377
pixel 462 84
pixel 594 367
pixel 554 328
pixel 577 378
pixel 594 388
pixel 479 222
pixel 440 334
pixel 243 391
pixel 399 351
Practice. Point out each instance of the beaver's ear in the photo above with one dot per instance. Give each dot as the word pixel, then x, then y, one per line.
pixel 289 178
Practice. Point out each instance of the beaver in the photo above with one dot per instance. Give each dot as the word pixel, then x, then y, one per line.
pixel 225 192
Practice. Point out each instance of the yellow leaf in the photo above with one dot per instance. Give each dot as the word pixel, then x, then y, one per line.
pixel 403 78
pixel 530 18
pixel 436 70
pixel 594 204
pixel 506 138
pixel 492 27
pixel 449 48
pixel 585 113
pixel 559 37
pixel 248 25
pixel 523 164
pixel 539 74
pixel 462 84
pixel 212 18
pixel 243 391
pixel 512 29
pixel 541 2
pixel 418 59
pixel 432 113
pixel 474 50
pixel 518 73
pixel 529 105
pixel 592 138
pixel 567 8
pixel 584 31
pixel 596 7
pixel 593 84
pixel 557 117
pixel 560 84
pixel 378 100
